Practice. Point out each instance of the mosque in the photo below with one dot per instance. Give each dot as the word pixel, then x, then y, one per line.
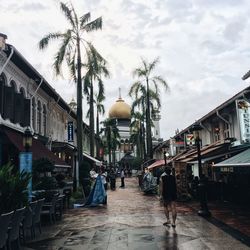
pixel 121 111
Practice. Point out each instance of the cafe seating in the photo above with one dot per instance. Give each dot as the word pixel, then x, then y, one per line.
pixel 14 228
pixel 49 209
pixel 36 219
pixel 4 225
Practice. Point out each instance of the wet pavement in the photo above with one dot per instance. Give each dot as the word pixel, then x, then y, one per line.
pixel 132 220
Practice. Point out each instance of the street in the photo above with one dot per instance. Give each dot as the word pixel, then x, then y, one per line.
pixel 132 220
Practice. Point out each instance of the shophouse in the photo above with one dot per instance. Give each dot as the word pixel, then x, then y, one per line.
pixel 224 133
pixel 28 101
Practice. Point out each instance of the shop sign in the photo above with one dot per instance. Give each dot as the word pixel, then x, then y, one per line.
pixel 227 169
pixel 190 139
pixel 244 119
pixel 70 132
pixel 25 159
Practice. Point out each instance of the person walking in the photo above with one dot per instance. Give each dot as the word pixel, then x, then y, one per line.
pixel 122 178
pixel 169 195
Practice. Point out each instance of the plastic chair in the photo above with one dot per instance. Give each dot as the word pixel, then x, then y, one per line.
pixel 14 229
pixel 4 222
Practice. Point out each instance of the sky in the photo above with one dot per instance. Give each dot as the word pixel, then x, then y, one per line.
pixel 203 47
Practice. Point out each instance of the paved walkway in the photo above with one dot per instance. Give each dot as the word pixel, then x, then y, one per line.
pixel 132 221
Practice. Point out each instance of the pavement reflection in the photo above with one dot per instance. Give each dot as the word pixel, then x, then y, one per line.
pixel 132 220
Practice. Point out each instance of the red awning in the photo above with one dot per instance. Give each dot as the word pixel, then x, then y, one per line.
pixel 158 163
pixel 38 149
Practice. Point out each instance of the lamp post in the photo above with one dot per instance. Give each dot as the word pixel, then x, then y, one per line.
pixel 165 158
pixel 202 186
pixel 27 139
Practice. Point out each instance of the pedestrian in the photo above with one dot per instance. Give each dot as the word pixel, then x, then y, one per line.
pixel 169 195
pixel 112 177
pixel 122 178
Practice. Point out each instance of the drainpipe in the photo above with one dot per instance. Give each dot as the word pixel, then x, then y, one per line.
pixel 222 118
pixel 37 88
pixel 7 61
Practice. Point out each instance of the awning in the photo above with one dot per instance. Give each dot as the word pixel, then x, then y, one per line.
pixel 98 163
pixel 241 159
pixel 38 149
pixel 206 152
pixel 156 164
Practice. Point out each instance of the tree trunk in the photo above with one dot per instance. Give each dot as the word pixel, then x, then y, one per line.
pixel 109 144
pixel 97 133
pixel 91 120
pixel 148 126
pixel 79 105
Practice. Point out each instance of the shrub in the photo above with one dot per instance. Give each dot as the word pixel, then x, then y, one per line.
pixel 13 188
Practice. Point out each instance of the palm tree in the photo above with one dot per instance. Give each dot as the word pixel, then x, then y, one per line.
pixel 137 135
pixel 96 67
pixel 146 84
pixel 100 110
pixel 111 134
pixel 138 110
pixel 70 49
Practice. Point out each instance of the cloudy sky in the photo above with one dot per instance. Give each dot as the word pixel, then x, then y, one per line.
pixel 203 46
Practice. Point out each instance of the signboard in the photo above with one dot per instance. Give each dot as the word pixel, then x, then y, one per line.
pixel 70 131
pixel 243 108
pixel 190 139
pixel 25 159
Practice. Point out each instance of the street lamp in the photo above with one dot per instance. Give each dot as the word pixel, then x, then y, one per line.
pixel 202 186
pixel 27 139
pixel 166 155
pixel 165 158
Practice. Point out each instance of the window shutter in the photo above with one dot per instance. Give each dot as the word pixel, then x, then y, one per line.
pixel 8 103
pixel 19 108
pixel 26 117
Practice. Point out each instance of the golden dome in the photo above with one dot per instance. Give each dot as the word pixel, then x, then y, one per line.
pixel 120 110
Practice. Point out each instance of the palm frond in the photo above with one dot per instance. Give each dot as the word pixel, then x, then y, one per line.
pixel 71 61
pixel 162 81
pixel 84 19
pixel 152 65
pixel 60 55
pixel 44 42
pixel 67 13
pixel 101 92
pixel 94 25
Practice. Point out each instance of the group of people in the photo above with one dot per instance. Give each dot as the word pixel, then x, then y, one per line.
pixel 167 189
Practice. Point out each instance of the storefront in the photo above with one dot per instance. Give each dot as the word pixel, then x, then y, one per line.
pixel 234 176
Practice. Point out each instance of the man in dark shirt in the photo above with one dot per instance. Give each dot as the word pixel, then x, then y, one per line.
pixel 169 195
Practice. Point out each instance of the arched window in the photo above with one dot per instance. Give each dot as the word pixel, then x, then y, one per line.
pixel 11 101
pixel 39 117
pixel 33 114
pixel 3 82
pixel 44 120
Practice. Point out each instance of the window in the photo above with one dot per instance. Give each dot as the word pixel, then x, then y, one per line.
pixel 33 113
pixel 226 130
pixel 44 120
pixel 216 132
pixel 2 84
pixel 39 117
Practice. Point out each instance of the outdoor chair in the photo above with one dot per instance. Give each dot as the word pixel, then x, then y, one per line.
pixel 26 224
pixel 36 219
pixel 14 228
pixel 49 209
pixel 33 205
pixel 4 224
pixel 59 206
